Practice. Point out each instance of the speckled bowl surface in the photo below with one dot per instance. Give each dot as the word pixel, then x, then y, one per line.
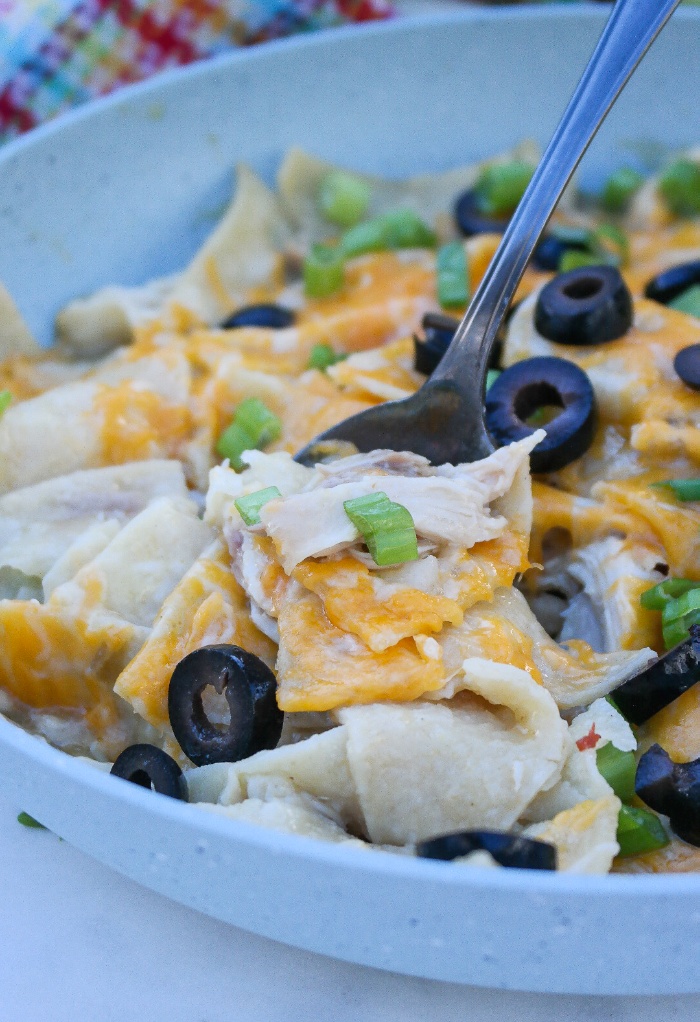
pixel 127 189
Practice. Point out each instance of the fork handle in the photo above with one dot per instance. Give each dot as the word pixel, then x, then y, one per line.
pixel 630 30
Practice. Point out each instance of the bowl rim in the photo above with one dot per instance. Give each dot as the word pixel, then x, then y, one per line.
pixel 122 97
pixel 401 867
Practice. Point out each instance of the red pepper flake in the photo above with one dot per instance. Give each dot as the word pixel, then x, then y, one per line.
pixel 588 741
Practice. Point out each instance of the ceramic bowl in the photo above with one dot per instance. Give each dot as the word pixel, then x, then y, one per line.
pixel 127 189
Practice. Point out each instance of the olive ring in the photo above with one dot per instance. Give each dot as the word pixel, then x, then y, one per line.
pixel 535 383
pixel 249 687
pixel 151 768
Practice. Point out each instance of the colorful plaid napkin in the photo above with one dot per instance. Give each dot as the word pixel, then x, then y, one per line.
pixel 57 53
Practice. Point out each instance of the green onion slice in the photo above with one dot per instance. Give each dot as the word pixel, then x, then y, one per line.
pixel 322 356
pixel 659 595
pixel 253 426
pixel 324 271
pixel 5 400
pixel 501 187
pixel 249 505
pixel 28 821
pixel 619 769
pixel 688 301
pixel 680 187
pixel 574 259
pixel 681 605
pixel 386 528
pixel 612 242
pixel 683 489
pixel 619 189
pixel 343 198
pixel 398 229
pixel 678 631
pixel 639 831
pixel 452 276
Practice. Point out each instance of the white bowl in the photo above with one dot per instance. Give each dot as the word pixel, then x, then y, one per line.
pixel 126 189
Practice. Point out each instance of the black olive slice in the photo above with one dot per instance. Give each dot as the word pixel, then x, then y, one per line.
pixel 250 689
pixel 550 250
pixel 151 768
pixel 536 383
pixel 662 681
pixel 687 365
pixel 275 317
pixel 673 282
pixel 438 331
pixel 470 219
pixel 589 305
pixel 507 849
pixel 672 789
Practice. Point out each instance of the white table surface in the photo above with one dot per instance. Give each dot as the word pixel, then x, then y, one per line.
pixel 79 943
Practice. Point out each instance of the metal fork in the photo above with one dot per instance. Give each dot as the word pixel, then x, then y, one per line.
pixel 444 420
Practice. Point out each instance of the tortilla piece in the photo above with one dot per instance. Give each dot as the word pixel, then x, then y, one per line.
pixel 127 411
pixel 82 550
pixel 426 769
pixel 40 523
pixel 242 253
pixel 294 814
pixel 429 195
pixel 15 336
pixel 136 571
pixel 206 607
pixel 317 766
pixel 505 630
pixel 584 836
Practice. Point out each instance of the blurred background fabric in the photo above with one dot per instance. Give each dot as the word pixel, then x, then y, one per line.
pixel 55 54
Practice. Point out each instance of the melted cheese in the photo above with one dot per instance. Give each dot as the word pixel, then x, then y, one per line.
pixel 321 667
pixel 357 603
pixel 207 607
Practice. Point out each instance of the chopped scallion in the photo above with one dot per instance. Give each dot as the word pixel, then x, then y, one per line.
pixel 682 489
pixel 324 271
pixel 606 245
pixel 573 259
pixel 680 186
pixel 619 769
pixel 612 242
pixel 681 605
pixel 253 426
pixel 501 187
pixel 250 504
pixel 322 356
pixel 343 198
pixel 387 528
pixel 404 229
pixel 452 276
pixel 401 228
pixel 659 595
pixel 5 400
pixel 619 189
pixel 28 821
pixel 639 831
pixel 688 301
pixel 675 632
pixel 369 236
